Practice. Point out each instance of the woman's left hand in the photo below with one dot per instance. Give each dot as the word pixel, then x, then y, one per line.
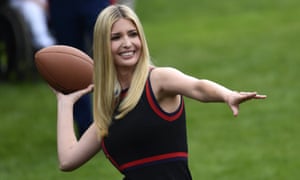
pixel 236 98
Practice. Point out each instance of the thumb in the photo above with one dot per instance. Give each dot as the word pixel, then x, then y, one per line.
pixel 235 110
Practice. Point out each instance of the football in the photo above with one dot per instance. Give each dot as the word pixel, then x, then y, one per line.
pixel 64 68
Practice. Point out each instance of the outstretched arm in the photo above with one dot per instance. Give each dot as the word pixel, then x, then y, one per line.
pixel 208 91
pixel 170 82
pixel 72 153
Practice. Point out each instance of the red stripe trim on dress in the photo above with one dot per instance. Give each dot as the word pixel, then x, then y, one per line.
pixel 108 155
pixel 153 159
pixel 157 110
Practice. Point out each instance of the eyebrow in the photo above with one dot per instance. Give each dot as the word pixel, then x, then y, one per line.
pixel 114 34
pixel 117 33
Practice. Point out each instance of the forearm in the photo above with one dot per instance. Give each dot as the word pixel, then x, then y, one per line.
pixel 66 137
pixel 210 91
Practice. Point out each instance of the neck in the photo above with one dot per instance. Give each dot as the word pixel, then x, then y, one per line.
pixel 124 77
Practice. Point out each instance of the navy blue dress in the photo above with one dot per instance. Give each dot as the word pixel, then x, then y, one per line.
pixel 149 143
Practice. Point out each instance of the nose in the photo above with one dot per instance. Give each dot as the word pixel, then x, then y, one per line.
pixel 126 42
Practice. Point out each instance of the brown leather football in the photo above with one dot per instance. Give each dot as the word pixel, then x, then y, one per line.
pixel 64 68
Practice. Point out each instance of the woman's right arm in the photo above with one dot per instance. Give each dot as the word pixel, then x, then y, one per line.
pixel 73 153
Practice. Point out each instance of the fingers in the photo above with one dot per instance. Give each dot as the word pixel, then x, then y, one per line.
pixel 235 110
pixel 252 95
pixel 91 87
pixel 88 89
pixel 241 97
pixel 258 96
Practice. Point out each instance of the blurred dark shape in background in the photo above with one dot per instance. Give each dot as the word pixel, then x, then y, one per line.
pixel 24 30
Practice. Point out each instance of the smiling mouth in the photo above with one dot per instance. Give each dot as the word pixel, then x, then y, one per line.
pixel 127 54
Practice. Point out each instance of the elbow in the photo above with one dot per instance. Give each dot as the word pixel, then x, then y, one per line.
pixel 66 166
pixel 65 169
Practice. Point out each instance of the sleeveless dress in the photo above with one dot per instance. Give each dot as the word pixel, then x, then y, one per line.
pixel 149 143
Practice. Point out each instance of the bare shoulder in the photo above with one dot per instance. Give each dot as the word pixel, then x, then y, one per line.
pixel 164 73
pixel 171 81
pixel 166 79
pixel 165 69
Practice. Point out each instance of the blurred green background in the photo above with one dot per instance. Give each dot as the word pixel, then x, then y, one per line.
pixel 246 45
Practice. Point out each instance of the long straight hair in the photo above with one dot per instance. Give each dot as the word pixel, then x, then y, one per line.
pixel 107 88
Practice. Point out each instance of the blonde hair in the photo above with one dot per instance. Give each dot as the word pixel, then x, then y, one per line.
pixel 107 88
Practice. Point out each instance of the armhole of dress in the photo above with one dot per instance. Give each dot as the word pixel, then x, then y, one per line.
pixel 156 107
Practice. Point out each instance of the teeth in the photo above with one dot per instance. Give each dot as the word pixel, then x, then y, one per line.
pixel 127 53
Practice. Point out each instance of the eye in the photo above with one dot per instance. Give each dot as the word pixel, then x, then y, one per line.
pixel 133 33
pixel 115 37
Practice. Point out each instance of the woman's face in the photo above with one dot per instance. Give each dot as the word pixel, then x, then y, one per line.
pixel 125 43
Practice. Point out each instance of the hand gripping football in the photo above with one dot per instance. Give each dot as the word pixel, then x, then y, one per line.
pixel 64 68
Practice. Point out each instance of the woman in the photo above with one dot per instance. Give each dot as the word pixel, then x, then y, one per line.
pixel 139 116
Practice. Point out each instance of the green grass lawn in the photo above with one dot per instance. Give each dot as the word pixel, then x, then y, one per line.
pixel 246 45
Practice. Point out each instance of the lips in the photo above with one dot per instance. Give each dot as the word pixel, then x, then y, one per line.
pixel 127 54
